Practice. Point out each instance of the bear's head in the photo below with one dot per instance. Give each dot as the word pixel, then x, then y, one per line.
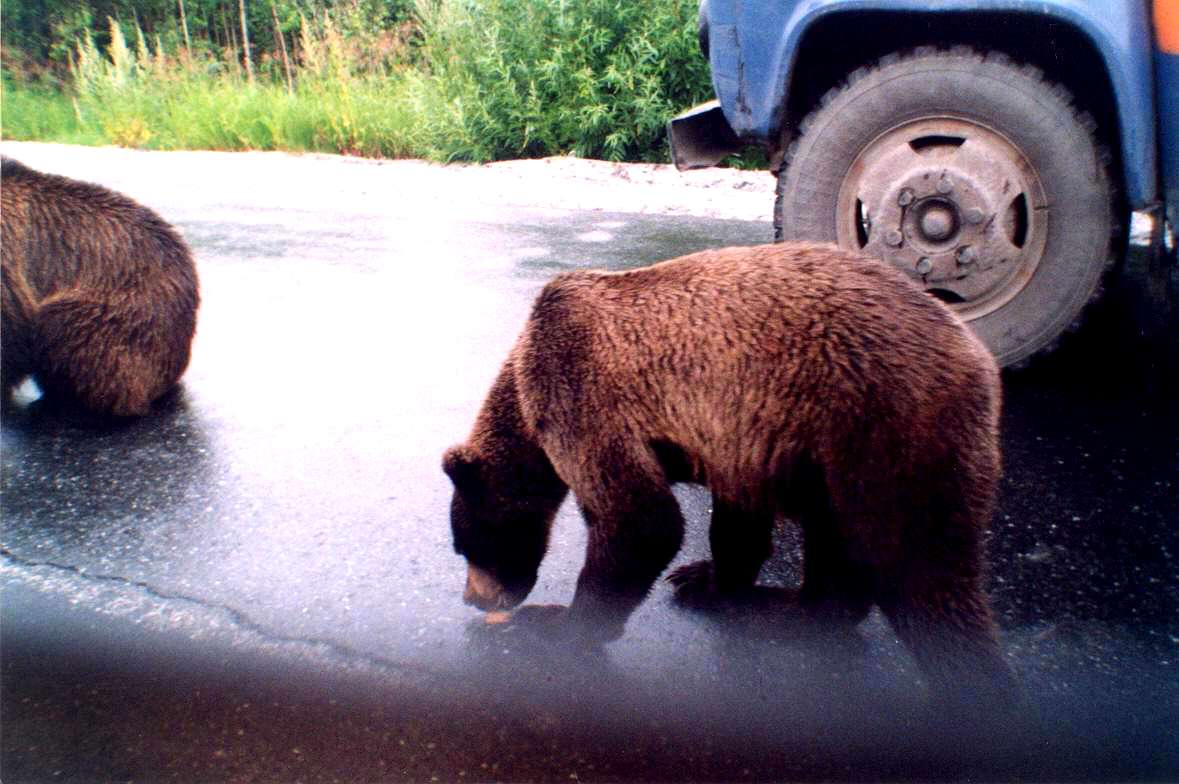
pixel 500 520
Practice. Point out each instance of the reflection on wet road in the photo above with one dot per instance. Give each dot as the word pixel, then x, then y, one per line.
pixel 256 581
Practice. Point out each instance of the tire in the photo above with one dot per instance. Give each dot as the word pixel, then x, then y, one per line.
pixel 973 175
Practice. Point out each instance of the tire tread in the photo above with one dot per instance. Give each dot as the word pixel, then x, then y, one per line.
pixel 957 56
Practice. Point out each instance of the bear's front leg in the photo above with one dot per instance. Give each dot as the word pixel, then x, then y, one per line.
pixel 633 535
pixel 740 541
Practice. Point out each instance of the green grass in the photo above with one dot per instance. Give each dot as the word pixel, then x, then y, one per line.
pixel 209 113
pixel 485 80
pixel 148 100
pixel 38 114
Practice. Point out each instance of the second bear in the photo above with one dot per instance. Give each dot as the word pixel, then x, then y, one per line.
pixel 100 294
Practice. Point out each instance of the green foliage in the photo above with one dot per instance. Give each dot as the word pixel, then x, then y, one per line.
pixel 33 113
pixel 597 78
pixel 137 96
pixel 466 80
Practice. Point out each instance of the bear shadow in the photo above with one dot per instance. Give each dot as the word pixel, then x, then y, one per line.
pixel 69 475
pixel 33 410
pixel 774 614
pixel 520 663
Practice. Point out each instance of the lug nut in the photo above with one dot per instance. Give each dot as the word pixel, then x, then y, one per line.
pixel 924 265
pixel 905 198
pixel 974 215
pixel 966 255
pixel 945 185
pixel 894 238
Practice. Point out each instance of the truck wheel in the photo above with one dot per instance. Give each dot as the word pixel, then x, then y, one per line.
pixel 974 176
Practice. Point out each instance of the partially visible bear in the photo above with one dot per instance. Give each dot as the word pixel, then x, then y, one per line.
pixel 794 380
pixel 100 294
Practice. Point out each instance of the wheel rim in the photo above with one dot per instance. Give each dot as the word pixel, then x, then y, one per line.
pixel 953 204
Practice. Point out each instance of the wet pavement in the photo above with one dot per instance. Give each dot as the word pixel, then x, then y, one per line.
pixel 255 582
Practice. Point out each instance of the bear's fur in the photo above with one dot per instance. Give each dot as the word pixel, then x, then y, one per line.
pixel 100 294
pixel 794 380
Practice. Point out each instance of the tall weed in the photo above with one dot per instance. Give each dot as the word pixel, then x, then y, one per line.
pixel 141 97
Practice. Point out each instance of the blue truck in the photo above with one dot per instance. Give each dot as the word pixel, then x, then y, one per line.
pixel 1007 154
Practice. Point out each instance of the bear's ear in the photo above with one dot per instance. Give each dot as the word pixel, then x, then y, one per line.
pixel 461 464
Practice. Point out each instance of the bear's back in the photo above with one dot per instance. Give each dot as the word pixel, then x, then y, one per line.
pixel 789 341
pixel 772 309
pixel 52 223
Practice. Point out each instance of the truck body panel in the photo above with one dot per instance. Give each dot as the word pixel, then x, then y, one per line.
pixel 1166 69
pixel 753 49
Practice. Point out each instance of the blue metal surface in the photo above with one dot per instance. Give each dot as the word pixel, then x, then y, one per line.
pixel 753 47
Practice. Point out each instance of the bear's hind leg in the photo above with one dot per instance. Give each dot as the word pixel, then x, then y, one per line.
pixel 835 588
pixel 945 621
pixel 740 541
pixel 99 354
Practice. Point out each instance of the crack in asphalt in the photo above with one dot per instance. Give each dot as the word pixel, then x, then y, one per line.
pixel 238 618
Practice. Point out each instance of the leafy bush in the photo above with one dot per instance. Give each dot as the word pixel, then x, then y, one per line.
pixel 596 78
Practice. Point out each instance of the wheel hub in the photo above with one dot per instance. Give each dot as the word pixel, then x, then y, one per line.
pixel 938 221
pixel 954 205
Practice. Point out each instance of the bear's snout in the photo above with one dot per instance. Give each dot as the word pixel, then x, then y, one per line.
pixel 484 591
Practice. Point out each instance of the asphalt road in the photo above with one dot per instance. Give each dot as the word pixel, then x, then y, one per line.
pixel 255 582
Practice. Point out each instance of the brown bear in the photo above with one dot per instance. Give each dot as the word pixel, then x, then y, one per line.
pixel 100 294
pixel 794 380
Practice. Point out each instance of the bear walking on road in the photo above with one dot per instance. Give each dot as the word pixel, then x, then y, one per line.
pixel 100 294
pixel 794 380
